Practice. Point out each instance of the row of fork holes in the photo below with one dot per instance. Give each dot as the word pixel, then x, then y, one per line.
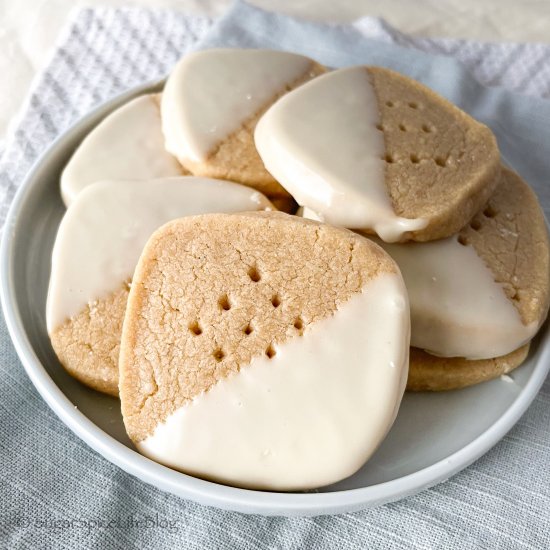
pixel 426 128
pixel 410 104
pixel 415 159
pixel 219 354
pixel 196 329
pixel 489 212
pixel 255 277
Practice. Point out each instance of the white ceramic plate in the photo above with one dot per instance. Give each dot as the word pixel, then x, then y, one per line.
pixel 434 436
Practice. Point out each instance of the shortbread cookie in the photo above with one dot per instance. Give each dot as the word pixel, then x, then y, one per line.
pixel 126 145
pixel 430 373
pixel 367 148
pixel 483 293
pixel 263 350
pixel 212 101
pixel 97 247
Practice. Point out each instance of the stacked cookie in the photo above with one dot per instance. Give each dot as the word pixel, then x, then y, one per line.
pixel 245 343
pixel 374 151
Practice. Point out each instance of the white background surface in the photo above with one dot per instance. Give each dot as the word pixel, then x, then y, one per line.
pixel 28 28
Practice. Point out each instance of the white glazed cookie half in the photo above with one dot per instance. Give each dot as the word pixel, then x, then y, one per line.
pixel 126 145
pixel 367 148
pixel 263 351
pixel 96 250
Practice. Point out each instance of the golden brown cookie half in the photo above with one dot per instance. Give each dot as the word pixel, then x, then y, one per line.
pixel 88 344
pixel 441 164
pixel 430 373
pixel 510 235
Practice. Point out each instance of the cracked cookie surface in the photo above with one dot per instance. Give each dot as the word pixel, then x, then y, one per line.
pixel 509 234
pixel 212 292
pixel 88 344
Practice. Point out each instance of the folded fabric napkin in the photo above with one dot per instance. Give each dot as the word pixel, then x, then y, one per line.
pixel 56 492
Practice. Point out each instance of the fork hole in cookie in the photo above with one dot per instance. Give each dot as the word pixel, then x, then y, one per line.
pixel 254 274
pixel 490 212
pixel 463 240
pixel 388 158
pixel 413 104
pixel 390 103
pixel 248 330
pixel 440 161
pixel 275 301
pixel 270 351
pixel 414 158
pixel 218 354
pixel 380 127
pixel 298 323
pixel 402 127
pixel 195 328
pixel 426 128
pixel 224 303
pixel 475 225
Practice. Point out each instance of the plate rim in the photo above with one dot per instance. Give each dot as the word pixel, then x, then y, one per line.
pixel 207 492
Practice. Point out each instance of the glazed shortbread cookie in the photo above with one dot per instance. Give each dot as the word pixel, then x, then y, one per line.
pixel 367 148
pixel 97 247
pixel 263 350
pixel 212 101
pixel 126 145
pixel 482 294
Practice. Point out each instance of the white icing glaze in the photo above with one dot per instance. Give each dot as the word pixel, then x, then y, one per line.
pixel 321 143
pixel 308 417
pixel 457 308
pixel 209 94
pixel 308 213
pixel 127 144
pixel 102 234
